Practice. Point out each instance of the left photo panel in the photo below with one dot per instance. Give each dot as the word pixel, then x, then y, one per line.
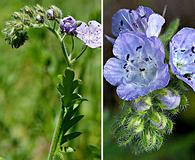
pixel 50 80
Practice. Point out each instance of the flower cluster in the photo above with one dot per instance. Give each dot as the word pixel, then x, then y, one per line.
pixel 37 17
pixel 141 75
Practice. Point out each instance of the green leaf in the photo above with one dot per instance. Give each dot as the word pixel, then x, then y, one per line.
pixel 69 137
pixel 67 88
pixel 68 124
pixel 71 112
pixel 170 31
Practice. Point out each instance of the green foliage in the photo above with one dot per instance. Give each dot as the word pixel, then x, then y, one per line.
pixel 67 88
pixel 169 32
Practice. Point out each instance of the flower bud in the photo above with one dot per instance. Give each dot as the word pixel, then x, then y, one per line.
pixel 68 25
pixel 142 104
pixel 158 120
pixel 53 12
pixel 139 128
pixel 50 14
pixel 170 100
pixel 40 18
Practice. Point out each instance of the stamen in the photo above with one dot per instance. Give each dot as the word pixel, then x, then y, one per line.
pixel 193 49
pixel 125 66
pixel 139 47
pixel 142 69
pixel 121 22
pixel 143 16
pixel 188 76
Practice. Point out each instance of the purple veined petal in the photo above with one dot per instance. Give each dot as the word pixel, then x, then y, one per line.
pixel 113 71
pixel 162 78
pixel 122 49
pixel 144 12
pixel 90 34
pixel 182 55
pixel 142 68
pixel 126 19
pixel 143 19
pixel 155 23
pixel 131 91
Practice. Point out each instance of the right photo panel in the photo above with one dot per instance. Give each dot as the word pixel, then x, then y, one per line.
pixel 149 80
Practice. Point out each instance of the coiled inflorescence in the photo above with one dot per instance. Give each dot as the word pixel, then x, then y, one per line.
pixel 151 93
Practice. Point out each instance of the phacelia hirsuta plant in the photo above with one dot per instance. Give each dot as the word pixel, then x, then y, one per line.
pixel 16 33
pixel 150 76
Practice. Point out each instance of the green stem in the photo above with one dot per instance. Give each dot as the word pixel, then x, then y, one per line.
pixel 72 39
pixel 65 53
pixel 56 135
pixel 84 49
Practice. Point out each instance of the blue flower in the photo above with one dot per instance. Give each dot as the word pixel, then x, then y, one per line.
pixel 138 67
pixel 182 55
pixel 68 25
pixel 170 100
pixel 90 34
pixel 143 19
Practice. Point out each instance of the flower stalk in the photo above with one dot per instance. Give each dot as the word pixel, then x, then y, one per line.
pixel 56 136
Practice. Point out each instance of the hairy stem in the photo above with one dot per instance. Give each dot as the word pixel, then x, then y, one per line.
pixel 84 49
pixel 64 49
pixel 56 136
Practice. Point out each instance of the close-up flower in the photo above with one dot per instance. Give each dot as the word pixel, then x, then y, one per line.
pixel 170 100
pixel 182 55
pixel 143 19
pixel 90 34
pixel 139 66
pixel 68 25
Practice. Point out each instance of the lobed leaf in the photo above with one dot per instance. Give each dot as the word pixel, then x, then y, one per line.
pixel 69 137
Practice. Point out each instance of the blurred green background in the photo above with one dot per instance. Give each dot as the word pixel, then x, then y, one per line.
pixel 181 144
pixel 29 101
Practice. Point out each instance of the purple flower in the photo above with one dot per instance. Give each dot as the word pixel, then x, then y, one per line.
pixel 170 100
pixel 68 25
pixel 90 34
pixel 143 19
pixel 138 67
pixel 182 55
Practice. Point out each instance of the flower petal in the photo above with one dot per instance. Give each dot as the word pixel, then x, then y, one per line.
pixel 90 34
pixel 155 24
pixel 182 55
pixel 113 71
pixel 122 47
pixel 131 91
pixel 144 70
